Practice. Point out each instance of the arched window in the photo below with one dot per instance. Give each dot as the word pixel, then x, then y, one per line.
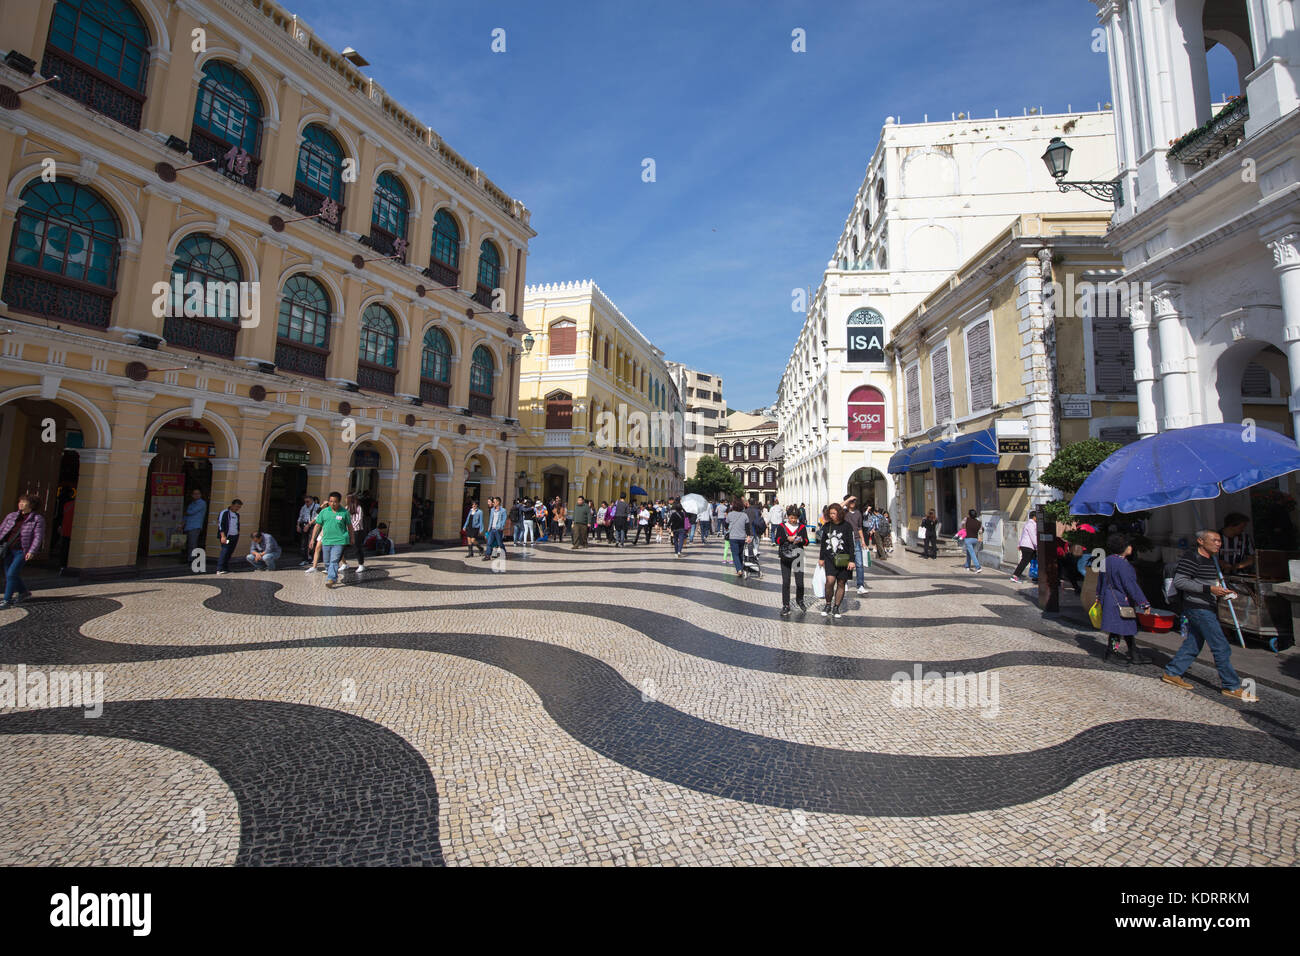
pixel 63 256
pixel 559 411
pixel 738 451
pixel 769 478
pixel 724 452
pixel 228 123
pixel 435 367
pixel 489 272
pixel 388 217
pixel 319 176
pixel 378 353
pixel 304 326
pixel 205 308
pixel 767 448
pixel 753 478
pixel 480 381
pixel 444 257
pixel 753 449
pixel 99 49
pixel 740 475
pixel 564 337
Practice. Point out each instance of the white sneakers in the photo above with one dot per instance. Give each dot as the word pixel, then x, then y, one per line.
pixel 862 590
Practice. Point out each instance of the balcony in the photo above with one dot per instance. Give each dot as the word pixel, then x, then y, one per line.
pixel 442 273
pixel 385 243
pixel 55 297
pixel 89 86
pixel 202 335
pixel 480 405
pixel 557 438
pixel 435 393
pixel 483 296
pixel 308 202
pixel 1220 135
pixel 561 363
pixel 204 146
pixel 301 359
pixel 377 378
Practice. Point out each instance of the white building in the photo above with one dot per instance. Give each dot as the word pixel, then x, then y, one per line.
pixel 701 396
pixel 1210 223
pixel 933 195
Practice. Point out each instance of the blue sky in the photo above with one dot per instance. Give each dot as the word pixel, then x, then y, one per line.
pixel 758 150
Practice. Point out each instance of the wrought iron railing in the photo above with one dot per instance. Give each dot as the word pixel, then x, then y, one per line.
pixel 303 359
pixel 204 146
pixel 202 335
pixel 87 85
pixel 54 297
pixel 1220 135
pixel 307 202
pixel 483 296
pixel 377 378
pixel 441 272
pixel 436 393
pixel 480 405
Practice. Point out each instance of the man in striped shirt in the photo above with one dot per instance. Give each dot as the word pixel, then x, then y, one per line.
pixel 1196 579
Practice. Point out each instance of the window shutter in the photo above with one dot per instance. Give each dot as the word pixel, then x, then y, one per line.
pixel 1112 356
pixel 559 412
pixel 564 338
pixel 979 365
pixel 942 384
pixel 913 400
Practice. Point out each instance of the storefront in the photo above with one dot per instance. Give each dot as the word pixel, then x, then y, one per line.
pixel 284 487
pixel 182 451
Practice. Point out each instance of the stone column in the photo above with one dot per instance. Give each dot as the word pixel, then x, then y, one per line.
pixel 1144 368
pixel 27 27
pixel 1173 361
pixel 1286 259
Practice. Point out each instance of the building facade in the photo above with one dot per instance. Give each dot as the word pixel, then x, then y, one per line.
pixel 599 410
pixel 750 446
pixel 235 264
pixel 705 409
pixel 1209 226
pixel 1027 337
pixel 933 195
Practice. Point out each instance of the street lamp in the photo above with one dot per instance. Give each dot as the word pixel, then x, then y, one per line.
pixel 528 342
pixel 1057 161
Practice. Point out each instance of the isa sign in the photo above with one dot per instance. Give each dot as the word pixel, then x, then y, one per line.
pixel 866 337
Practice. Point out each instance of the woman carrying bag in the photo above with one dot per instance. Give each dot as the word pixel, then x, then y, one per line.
pixel 836 557
pixel 973 529
pixel 738 535
pixel 1120 598
pixel 791 540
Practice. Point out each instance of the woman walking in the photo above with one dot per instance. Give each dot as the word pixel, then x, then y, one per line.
pixel 930 537
pixel 1121 598
pixel 836 557
pixel 791 540
pixel 356 532
pixel 1028 547
pixel 738 535
pixel 21 534
pixel 677 525
pixel 973 528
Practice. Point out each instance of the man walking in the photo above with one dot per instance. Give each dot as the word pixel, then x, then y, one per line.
pixel 496 529
pixel 581 522
pixel 854 517
pixel 306 517
pixel 196 512
pixel 620 521
pixel 775 515
pixel 1196 579
pixel 335 532
pixel 228 533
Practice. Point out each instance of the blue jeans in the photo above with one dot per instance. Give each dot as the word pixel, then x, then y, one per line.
pixel 518 535
pixel 14 561
pixel 972 560
pixel 493 542
pixel 857 561
pixel 1203 625
pixel 737 553
pixel 227 549
pixel 267 561
pixel 679 538
pixel 332 554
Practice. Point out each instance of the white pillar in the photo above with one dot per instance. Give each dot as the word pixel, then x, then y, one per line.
pixel 1286 259
pixel 1144 374
pixel 1173 360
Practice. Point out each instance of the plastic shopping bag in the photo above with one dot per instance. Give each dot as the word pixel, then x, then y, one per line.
pixel 819 582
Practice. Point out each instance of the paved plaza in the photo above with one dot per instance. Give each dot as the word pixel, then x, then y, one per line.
pixel 618 707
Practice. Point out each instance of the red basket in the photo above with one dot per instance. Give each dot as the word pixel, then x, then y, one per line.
pixel 1157 621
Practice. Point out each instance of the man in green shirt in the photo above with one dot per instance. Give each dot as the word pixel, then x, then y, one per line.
pixel 334 531
pixel 581 522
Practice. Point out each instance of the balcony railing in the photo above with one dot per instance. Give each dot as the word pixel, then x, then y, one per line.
pixel 557 437
pixel 561 363
pixel 303 359
pixel 377 378
pixel 443 273
pixel 87 85
pixel 204 146
pixel 383 242
pixel 435 393
pixel 54 297
pixel 1220 135
pixel 480 405
pixel 483 296
pixel 202 335
pixel 308 202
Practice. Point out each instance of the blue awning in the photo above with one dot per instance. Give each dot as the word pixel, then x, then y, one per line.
pixel 975 448
pixel 898 462
pixel 930 455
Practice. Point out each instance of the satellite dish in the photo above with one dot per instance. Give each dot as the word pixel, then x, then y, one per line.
pixel 166 172
pixel 137 371
pixel 410 420
pixel 257 393
pixel 358 262
pixel 277 223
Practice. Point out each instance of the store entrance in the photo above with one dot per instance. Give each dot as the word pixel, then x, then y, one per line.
pixel 183 449
pixel 283 488
pixel 945 492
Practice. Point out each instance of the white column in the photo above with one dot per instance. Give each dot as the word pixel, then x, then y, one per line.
pixel 1173 359
pixel 1286 259
pixel 1143 368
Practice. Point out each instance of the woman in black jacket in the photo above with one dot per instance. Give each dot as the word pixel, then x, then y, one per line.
pixel 677 524
pixel 791 539
pixel 930 543
pixel 836 557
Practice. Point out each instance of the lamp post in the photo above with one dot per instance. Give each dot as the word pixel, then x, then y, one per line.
pixel 528 342
pixel 1057 161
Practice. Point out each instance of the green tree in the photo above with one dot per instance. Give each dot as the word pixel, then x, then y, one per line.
pixel 713 478
pixel 1067 473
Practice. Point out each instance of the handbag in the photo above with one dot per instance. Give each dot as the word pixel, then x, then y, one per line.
pixel 842 560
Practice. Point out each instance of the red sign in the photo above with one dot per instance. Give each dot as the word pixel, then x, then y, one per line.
pixel 866 414
pixel 165 485
pixel 199 450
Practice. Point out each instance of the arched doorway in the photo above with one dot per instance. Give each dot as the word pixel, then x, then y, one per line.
pixel 868 485
pixel 478 479
pixel 42 440
pixel 284 486
pixel 555 484
pixel 363 473
pixel 183 450
pixel 429 493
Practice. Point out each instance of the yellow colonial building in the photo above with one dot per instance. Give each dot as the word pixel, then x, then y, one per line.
pixel 234 263
pixel 1029 342
pixel 599 410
